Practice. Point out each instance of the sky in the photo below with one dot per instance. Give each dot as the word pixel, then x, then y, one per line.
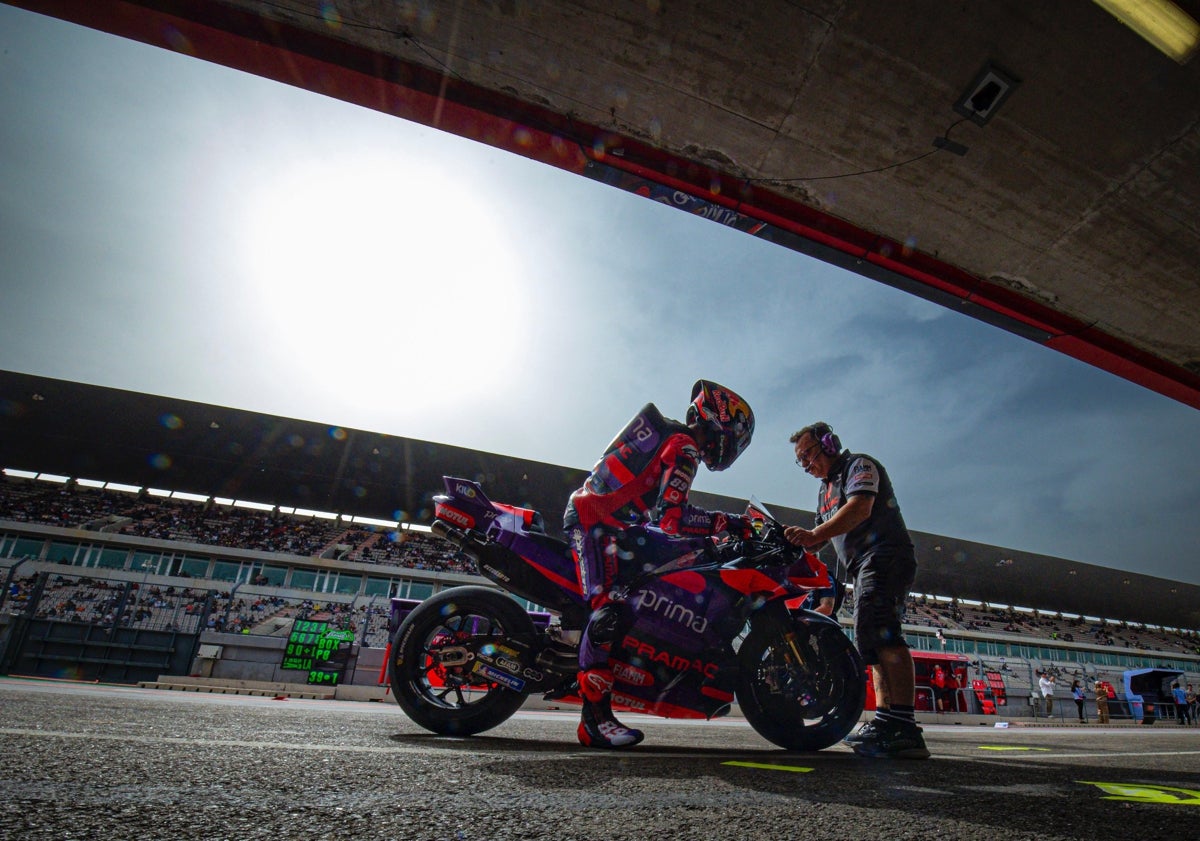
pixel 177 228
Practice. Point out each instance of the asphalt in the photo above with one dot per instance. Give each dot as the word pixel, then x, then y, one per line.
pixel 86 761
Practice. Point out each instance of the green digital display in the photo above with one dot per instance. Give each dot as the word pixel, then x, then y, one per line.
pixel 312 647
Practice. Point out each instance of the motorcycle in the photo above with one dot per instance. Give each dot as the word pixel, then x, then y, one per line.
pixel 706 623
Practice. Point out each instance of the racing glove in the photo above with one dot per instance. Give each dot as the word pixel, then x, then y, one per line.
pixel 734 524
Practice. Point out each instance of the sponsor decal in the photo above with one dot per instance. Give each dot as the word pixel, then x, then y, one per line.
pixel 464 490
pixel 533 674
pixel 674 611
pixel 495 573
pixel 494 674
pixel 631 674
pixel 666 658
pixel 399 661
pixel 453 515
pixel 635 704
pixel 508 665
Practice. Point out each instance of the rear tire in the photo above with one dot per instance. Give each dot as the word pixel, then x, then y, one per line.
pixel 801 706
pixel 454 700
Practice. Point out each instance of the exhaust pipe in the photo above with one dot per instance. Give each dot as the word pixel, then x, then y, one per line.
pixel 467 540
pixel 442 529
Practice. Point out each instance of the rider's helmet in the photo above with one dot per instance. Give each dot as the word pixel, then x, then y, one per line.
pixel 728 419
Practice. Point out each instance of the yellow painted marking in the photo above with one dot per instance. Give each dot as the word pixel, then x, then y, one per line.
pixel 767 767
pixel 1135 793
pixel 1008 747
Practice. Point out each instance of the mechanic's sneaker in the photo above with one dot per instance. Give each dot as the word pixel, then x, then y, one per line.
pixel 599 728
pixel 866 732
pixel 886 740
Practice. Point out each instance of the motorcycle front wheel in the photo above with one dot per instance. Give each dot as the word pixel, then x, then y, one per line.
pixel 433 660
pixel 804 691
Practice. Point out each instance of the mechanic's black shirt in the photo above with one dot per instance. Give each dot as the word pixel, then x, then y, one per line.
pixel 884 532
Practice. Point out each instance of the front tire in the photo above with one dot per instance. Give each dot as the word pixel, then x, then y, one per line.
pixel 453 700
pixel 806 702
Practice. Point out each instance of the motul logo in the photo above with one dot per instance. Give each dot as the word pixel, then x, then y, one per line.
pixel 453 515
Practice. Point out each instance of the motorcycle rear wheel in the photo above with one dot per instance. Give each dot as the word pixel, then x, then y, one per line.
pixel 454 700
pixel 807 704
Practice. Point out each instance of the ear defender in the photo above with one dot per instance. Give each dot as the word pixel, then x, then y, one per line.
pixel 831 445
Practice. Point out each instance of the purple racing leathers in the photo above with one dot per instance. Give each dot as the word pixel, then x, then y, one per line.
pixel 643 478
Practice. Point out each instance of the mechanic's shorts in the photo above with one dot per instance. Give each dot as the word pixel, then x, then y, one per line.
pixel 880 591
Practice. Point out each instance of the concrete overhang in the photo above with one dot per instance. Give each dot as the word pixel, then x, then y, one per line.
pixel 826 126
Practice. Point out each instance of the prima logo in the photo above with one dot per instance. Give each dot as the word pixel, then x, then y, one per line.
pixel 674 611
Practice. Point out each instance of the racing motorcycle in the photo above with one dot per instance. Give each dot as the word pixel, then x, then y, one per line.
pixel 706 623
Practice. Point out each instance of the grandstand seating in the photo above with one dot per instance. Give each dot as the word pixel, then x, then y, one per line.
pixel 259 607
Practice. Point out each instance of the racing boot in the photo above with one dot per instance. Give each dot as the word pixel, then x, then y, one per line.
pixel 598 727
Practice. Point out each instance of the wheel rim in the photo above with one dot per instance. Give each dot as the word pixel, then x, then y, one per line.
pixel 782 683
pixel 442 681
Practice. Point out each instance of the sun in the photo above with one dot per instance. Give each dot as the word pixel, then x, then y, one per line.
pixel 381 270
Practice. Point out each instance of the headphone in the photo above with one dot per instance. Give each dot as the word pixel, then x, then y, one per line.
pixel 831 445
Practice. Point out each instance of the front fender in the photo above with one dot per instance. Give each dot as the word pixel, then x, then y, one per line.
pixel 777 617
pixel 811 617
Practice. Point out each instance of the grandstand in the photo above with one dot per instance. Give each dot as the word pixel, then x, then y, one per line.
pixel 188 536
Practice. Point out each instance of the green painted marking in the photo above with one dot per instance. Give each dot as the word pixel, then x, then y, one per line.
pixel 1136 793
pixel 1009 747
pixel 767 767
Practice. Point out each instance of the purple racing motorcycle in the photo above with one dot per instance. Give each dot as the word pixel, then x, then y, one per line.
pixel 705 624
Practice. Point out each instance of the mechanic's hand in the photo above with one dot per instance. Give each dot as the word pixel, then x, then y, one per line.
pixel 799 537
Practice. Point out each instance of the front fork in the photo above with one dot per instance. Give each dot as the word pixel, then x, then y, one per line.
pixel 780 623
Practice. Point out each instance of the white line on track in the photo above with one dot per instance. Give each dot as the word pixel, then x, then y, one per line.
pixel 569 753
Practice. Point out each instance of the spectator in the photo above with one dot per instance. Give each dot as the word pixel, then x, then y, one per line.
pixel 937 681
pixel 1181 705
pixel 1046 685
pixel 1101 702
pixel 1077 695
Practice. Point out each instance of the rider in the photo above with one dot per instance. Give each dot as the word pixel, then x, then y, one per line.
pixel 644 478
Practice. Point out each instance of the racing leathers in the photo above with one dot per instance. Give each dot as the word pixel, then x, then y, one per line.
pixel 643 478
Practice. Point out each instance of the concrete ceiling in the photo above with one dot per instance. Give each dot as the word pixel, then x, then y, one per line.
pixel 1073 218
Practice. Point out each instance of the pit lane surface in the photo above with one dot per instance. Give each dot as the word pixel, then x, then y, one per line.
pixel 105 762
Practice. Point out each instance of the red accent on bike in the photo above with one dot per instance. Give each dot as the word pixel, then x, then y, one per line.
pixel 693 582
pixel 526 514
pixel 662 709
pixel 713 692
pixel 749 581
pixel 566 583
